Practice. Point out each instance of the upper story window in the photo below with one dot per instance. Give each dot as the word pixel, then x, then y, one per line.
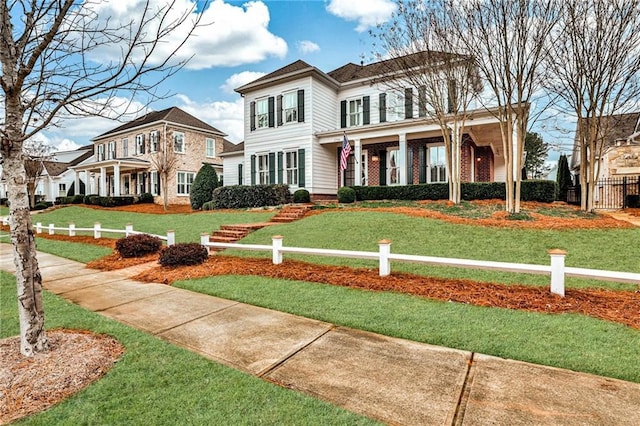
pixel 290 106
pixel 210 147
pixel 125 147
pixel 395 107
pixel 178 142
pixel 437 164
pixel 262 113
pixel 154 141
pixel 111 152
pixel 355 112
pixel 100 153
pixel 140 144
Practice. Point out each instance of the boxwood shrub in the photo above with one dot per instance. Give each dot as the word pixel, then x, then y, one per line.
pixel 243 196
pixel 301 196
pixel 346 195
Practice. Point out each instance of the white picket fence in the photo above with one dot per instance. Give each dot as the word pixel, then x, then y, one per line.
pixel 556 269
pixel 97 230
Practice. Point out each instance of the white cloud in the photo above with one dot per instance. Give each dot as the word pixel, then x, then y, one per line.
pixel 306 46
pixel 227 117
pixel 228 36
pixel 368 13
pixel 240 79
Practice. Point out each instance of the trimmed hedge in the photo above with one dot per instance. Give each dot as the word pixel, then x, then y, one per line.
pixel 301 196
pixel 145 198
pixel 243 196
pixel 346 195
pixel 531 190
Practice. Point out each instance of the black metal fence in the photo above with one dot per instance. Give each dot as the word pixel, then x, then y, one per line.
pixel 611 193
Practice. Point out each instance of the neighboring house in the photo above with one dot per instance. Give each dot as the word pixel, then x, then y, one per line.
pixel 620 146
pixel 296 116
pixel 57 177
pixel 233 164
pixel 126 158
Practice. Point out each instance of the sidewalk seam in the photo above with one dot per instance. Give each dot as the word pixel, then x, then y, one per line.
pixel 461 404
pixel 157 333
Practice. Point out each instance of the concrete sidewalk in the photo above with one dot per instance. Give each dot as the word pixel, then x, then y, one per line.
pixel 393 380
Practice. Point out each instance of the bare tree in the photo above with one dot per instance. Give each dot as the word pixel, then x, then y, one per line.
pixel 509 40
pixel 423 55
pixel 165 162
pixel 596 74
pixel 48 73
pixel 35 153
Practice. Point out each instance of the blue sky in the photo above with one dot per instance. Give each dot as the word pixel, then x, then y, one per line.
pixel 244 41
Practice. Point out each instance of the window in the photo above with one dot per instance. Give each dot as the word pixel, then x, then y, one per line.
pixel 185 179
pixel 62 187
pixel 355 112
pixel 290 107
pixel 263 169
pixel 395 107
pixel 393 171
pixel 211 147
pixel 262 113
pixel 125 147
pixel 126 184
pixel 139 144
pixel 437 164
pixel 178 142
pixel 111 153
pixel 142 183
pixel 155 184
pixel 154 140
pixel 291 167
pixel 101 152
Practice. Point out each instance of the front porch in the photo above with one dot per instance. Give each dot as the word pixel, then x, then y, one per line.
pixel 118 178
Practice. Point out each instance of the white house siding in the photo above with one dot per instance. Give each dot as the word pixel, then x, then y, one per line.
pixel 323 160
pixel 499 169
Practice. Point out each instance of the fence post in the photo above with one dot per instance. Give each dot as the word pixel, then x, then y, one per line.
pixel 128 229
pixel 557 271
pixel 385 263
pixel 51 230
pixel 96 230
pixel 171 237
pixel 276 250
pixel 72 229
pixel 38 227
pixel 204 240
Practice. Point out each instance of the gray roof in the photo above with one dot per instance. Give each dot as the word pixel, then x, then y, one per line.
pixel 229 147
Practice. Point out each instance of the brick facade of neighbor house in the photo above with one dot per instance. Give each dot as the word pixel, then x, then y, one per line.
pixel 126 158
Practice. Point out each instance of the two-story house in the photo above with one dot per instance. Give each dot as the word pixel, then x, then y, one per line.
pixel 296 118
pixel 129 159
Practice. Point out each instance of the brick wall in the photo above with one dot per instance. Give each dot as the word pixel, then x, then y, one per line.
pixel 484 164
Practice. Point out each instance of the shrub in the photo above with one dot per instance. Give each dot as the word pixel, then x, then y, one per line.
pixel 4 201
pixel 282 194
pixel 63 200
pixel 40 206
pixel 544 191
pixel 205 182
pixel 138 245
pixel 122 200
pixel 145 198
pixel 209 205
pixel 633 201
pixel 87 198
pixel 346 195
pixel 183 254
pixel 482 190
pixel 77 199
pixel 301 196
pixel 242 196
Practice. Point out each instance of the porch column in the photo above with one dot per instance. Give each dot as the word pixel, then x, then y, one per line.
pixel 402 157
pixel 76 183
pixel 103 181
pixel 357 156
pixel 116 179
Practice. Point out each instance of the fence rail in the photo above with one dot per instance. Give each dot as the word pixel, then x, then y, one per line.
pixel 611 193
pixel 556 269
pixel 97 230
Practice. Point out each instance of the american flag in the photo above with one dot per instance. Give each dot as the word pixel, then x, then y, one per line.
pixel 344 154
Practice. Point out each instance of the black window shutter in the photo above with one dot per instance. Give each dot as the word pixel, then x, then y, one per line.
pixel 271 102
pixel 382 107
pixel 272 168
pixel 300 106
pixel 253 170
pixel 343 114
pixel 409 166
pixel 280 167
pixel 240 174
pixel 301 171
pixel 252 115
pixel 383 167
pixel 408 103
pixel 279 109
pixel 453 95
pixel 366 110
pixel 422 102
pixel 422 164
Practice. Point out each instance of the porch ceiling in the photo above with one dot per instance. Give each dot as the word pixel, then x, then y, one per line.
pixel 125 165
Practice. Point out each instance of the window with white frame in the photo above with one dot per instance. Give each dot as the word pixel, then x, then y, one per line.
pixel 185 179
pixel 62 189
pixel 355 112
pixel 140 144
pixel 154 140
pixel 155 183
pixel 125 147
pixel 178 142
pixel 395 106
pixel 290 106
pixel 211 147
pixel 437 164
pixel 262 113
pixel 291 167
pixel 111 152
pixel 393 171
pixel 263 169
pixel 100 153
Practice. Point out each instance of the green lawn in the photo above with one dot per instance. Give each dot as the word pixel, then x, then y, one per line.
pixel 156 383
pixel 569 341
